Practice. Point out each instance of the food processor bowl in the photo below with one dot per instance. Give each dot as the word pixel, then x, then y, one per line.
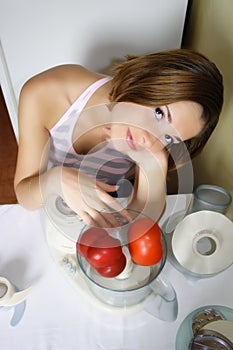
pixel 122 292
pixel 136 284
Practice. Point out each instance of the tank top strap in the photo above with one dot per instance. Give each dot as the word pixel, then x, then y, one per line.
pixel 81 101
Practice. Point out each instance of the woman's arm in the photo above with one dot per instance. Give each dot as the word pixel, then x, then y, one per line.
pixel 40 101
pixel 33 146
pixel 150 186
pixel 43 100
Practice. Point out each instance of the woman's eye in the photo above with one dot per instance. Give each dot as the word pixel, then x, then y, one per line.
pixel 158 113
pixel 168 139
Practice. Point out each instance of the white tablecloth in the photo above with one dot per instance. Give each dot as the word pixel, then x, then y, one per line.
pixel 58 318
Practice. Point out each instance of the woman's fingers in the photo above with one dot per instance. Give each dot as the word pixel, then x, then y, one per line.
pixel 106 187
pixel 114 219
pixel 94 218
pixel 113 206
pixel 103 218
pixel 91 200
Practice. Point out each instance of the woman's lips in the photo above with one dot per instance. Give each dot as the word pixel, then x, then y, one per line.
pixel 130 140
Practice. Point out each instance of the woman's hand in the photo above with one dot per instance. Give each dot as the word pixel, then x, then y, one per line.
pixel 90 199
pixel 150 194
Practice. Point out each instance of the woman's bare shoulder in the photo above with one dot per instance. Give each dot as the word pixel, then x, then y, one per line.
pixel 59 80
pixel 61 74
pixel 51 92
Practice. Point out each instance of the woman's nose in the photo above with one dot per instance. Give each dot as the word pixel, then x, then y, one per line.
pixel 151 142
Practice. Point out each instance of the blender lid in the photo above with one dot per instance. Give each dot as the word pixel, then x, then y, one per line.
pixel 202 242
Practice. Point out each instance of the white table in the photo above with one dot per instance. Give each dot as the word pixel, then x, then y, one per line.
pixel 57 317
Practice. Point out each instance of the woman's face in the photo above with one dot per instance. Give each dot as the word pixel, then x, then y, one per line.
pixel 136 127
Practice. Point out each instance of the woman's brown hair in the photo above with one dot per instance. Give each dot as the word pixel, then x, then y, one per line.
pixel 170 76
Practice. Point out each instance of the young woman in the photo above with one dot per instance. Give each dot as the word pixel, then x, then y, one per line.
pixel 98 132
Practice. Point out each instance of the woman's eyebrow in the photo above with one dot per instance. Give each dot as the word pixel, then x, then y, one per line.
pixel 169 117
pixel 178 138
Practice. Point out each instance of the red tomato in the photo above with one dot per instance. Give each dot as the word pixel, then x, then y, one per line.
pixel 113 271
pixel 106 252
pixel 88 238
pixel 145 242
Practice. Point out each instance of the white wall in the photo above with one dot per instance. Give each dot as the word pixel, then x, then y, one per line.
pixel 38 34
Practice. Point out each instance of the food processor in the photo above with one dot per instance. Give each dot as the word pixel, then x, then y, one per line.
pixel 135 288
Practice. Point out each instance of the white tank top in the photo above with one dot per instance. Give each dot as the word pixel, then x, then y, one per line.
pixel 107 164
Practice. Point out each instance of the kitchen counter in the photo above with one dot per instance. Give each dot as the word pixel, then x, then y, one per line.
pixel 58 317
